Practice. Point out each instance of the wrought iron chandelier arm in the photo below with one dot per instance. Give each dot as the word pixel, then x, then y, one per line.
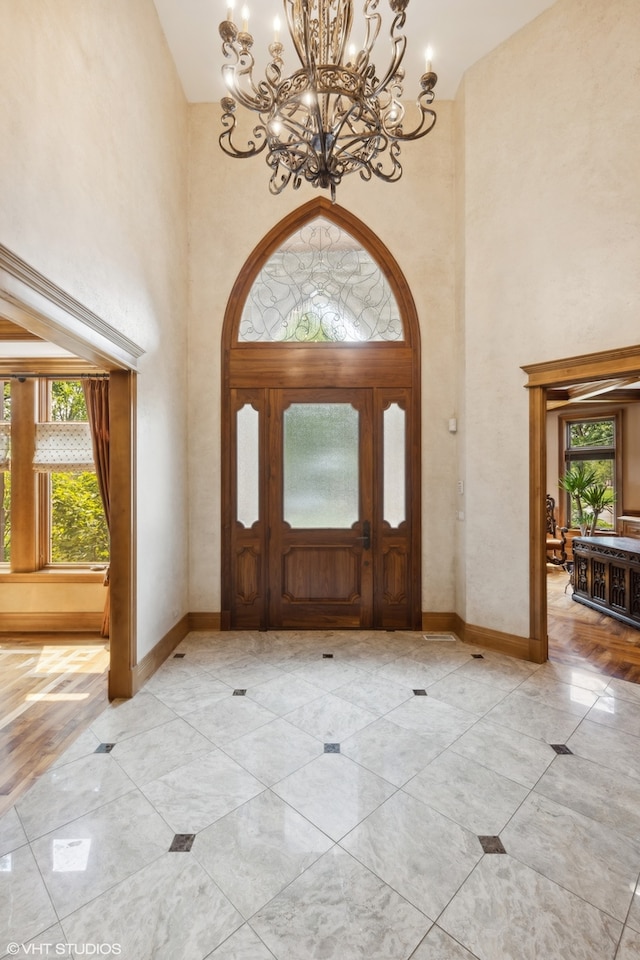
pixel 297 19
pixel 253 147
pixel 373 23
pixel 395 173
pixel 395 64
pixel 259 98
pixel 427 115
pixel 236 47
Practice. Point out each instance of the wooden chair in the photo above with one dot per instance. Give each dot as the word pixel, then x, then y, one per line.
pixel 556 545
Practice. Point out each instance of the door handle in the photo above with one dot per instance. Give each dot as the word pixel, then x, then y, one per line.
pixel 366 535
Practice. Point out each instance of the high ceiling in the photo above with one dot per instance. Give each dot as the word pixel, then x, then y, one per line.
pixel 460 32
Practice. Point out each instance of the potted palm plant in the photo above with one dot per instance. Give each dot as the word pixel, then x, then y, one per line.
pixel 596 498
pixel 589 496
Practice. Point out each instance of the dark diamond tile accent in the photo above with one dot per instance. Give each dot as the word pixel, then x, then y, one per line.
pixel 477 656
pixel 239 693
pixel 327 656
pixel 492 844
pixel 104 748
pixel 182 843
pixel 419 693
pixel 332 748
pixel 178 656
pixel 561 748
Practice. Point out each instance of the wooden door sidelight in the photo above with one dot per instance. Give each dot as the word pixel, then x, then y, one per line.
pixel 332 538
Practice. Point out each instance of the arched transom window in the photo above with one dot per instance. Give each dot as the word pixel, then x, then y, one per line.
pixel 320 286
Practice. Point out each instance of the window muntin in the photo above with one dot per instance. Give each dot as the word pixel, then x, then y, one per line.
pixel 320 286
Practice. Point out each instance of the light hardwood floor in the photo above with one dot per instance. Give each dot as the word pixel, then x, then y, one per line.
pixel 49 690
pixel 585 637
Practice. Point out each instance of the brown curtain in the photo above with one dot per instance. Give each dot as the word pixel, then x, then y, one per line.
pixel 96 395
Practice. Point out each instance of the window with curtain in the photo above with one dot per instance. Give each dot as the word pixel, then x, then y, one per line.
pixel 67 524
pixel 74 521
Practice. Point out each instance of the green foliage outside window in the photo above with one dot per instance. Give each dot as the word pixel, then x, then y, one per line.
pixel 592 433
pixel 79 531
pixel 591 449
pixel 78 527
pixel 67 400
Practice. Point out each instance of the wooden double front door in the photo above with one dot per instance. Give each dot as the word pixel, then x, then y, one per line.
pixel 321 432
pixel 322 532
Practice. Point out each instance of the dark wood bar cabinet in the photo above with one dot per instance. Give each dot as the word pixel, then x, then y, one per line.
pixel 606 576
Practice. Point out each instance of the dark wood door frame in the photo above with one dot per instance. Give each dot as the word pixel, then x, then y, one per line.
pixel 250 370
pixel 542 377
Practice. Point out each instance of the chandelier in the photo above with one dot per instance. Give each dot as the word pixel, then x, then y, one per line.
pixel 332 116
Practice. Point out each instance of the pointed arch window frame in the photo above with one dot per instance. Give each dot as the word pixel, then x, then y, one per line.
pixel 284 230
pixel 321 285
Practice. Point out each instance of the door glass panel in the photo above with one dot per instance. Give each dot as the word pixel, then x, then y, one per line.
pixel 247 462
pixel 321 465
pixel 394 511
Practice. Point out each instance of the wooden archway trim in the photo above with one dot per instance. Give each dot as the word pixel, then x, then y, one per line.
pixel 542 377
pixel 321 207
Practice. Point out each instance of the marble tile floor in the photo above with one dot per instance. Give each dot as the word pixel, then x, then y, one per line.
pixel 331 796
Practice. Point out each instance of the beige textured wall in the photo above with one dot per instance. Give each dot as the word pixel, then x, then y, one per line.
pixel 516 225
pixel 230 211
pixel 552 233
pixel 460 522
pixel 527 251
pixel 93 167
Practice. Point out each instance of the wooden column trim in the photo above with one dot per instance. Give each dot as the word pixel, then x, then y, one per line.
pixel 538 638
pixel 122 417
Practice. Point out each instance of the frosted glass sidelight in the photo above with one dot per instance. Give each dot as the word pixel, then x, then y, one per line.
pixel 248 446
pixel 394 465
pixel 321 465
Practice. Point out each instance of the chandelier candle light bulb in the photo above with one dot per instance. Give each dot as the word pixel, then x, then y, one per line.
pixel 428 58
pixel 333 115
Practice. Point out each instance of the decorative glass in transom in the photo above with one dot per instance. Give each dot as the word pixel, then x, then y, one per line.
pixel 320 286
